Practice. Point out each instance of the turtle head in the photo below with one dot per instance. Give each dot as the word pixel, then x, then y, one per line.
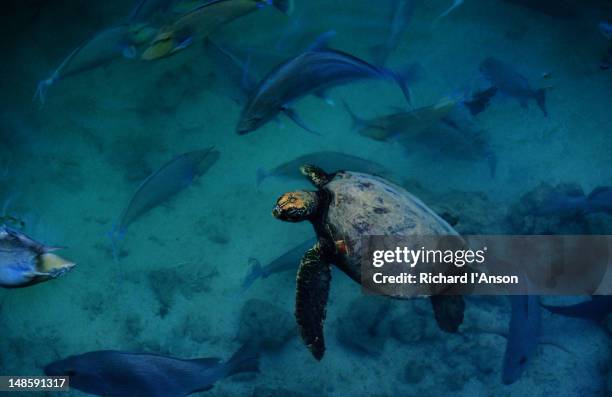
pixel 295 206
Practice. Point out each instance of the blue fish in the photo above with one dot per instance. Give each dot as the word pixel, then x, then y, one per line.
pixel 598 201
pixel 509 82
pixel 312 72
pixel 143 10
pixel 101 49
pixel 170 179
pixel 561 205
pixel 596 309
pixel 124 374
pixel 401 14
pixel 554 8
pixel 523 336
pixel 235 74
pixel 479 101
pixel 606 29
pixel 287 261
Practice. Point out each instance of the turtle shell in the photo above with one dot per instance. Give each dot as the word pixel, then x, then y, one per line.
pixel 366 205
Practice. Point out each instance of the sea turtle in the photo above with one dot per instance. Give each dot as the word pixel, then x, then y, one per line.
pixel 24 262
pixel 347 206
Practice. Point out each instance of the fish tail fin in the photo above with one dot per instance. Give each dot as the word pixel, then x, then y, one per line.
pixel 456 3
pixel 246 359
pixel 247 82
pixel 357 121
pixel 597 191
pixel 540 97
pixel 255 272
pixel 284 6
pixel 260 175
pixel 587 202
pixel 402 80
pixel 6 205
pixel 40 94
pixel 586 310
pixel 115 236
pixel 410 72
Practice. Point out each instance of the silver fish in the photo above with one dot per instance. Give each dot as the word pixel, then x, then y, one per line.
pixel 25 262
pixel 124 374
pixel 171 178
pixel 290 260
pixel 199 22
pixel 328 160
pixel 312 72
pixel 101 49
pixel 458 136
pixel 404 122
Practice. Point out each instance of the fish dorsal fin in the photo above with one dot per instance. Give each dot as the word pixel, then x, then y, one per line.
pixel 599 190
pixel 322 41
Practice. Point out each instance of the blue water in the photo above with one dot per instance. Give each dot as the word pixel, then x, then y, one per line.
pixel 69 167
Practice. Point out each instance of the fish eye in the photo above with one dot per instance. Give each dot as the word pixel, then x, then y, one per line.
pixel 523 360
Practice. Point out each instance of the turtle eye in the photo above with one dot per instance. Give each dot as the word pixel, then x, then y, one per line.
pixel 287 200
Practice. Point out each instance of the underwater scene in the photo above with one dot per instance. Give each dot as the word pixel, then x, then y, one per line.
pixel 184 185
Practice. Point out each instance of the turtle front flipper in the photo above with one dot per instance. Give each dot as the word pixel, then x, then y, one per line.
pixel 316 175
pixel 448 310
pixel 314 276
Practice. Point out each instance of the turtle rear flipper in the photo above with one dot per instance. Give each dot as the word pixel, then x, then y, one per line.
pixel 448 310
pixel 313 279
